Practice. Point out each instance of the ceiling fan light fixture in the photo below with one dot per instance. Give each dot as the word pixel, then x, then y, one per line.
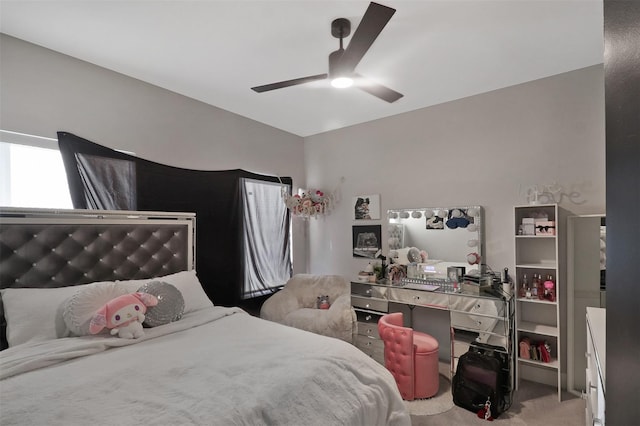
pixel 342 82
pixel 343 62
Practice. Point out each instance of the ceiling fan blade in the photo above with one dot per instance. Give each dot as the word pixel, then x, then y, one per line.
pixel 377 90
pixel 373 21
pixel 288 83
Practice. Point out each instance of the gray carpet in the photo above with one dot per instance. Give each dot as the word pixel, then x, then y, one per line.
pixel 440 403
pixel 534 405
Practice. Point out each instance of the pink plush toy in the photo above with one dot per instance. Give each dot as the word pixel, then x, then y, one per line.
pixel 123 315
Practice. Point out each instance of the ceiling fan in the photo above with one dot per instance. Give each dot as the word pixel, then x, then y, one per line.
pixel 342 62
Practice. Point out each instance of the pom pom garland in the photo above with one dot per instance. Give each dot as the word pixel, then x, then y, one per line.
pixel 309 203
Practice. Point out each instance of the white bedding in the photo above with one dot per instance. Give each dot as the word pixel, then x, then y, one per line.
pixel 216 366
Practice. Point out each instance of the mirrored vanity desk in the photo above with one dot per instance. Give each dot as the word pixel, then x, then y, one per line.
pixel 481 317
pixel 432 243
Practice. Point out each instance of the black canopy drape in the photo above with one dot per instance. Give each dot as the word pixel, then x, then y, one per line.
pixel 102 178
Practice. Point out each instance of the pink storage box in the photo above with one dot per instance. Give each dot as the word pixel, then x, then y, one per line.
pixel 546 227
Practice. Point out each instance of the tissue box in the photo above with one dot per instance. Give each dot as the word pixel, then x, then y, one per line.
pixel 547 227
pixel 528 226
pixel 473 287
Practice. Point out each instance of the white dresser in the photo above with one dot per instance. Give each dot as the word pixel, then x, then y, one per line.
pixel 596 366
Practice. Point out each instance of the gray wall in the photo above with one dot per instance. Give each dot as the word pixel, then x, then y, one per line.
pixel 42 92
pixel 481 150
pixel 485 150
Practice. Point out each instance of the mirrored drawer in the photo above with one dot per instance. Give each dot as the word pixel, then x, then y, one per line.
pixel 374 304
pixel 372 347
pixel 368 290
pixel 368 317
pixel 418 297
pixel 368 329
pixel 480 323
pixel 476 305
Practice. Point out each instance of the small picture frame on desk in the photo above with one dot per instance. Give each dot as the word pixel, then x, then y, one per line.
pixel 455 273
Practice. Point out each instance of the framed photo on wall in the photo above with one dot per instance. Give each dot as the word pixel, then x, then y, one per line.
pixel 366 207
pixel 367 240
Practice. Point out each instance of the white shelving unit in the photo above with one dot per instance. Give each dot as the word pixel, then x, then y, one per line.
pixel 540 320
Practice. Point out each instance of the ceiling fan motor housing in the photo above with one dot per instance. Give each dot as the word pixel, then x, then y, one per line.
pixel 335 66
pixel 340 28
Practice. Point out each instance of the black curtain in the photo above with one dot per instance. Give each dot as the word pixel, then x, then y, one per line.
pixel 214 196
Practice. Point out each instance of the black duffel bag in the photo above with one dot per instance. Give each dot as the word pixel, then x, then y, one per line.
pixel 482 381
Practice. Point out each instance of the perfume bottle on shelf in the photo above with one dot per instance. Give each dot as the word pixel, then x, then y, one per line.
pixel 550 289
pixel 540 288
pixel 524 285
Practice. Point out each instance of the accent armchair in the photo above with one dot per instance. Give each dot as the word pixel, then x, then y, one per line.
pixel 411 357
pixel 295 306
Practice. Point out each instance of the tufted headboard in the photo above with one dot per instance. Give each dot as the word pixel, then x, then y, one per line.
pixel 56 248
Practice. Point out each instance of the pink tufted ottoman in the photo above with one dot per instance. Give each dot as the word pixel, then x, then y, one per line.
pixel 410 356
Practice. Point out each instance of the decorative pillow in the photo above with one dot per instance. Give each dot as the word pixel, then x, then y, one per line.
pixel 35 314
pixel 186 282
pixel 413 255
pixel 79 309
pixel 402 258
pixel 170 305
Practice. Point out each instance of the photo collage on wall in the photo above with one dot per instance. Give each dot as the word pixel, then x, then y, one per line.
pixel 367 239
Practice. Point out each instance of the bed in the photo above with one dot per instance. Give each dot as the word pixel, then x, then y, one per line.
pixel 209 365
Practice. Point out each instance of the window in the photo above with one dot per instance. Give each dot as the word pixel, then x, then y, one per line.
pixel 266 237
pixel 31 172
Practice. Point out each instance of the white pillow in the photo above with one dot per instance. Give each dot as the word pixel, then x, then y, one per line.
pixel 35 314
pixel 186 282
pixel 38 314
pixel 78 310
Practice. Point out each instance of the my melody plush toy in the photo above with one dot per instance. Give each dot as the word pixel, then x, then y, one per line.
pixel 485 412
pixel 294 203
pixel 316 196
pixel 124 315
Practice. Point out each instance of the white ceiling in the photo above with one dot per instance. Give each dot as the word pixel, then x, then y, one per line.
pixel 214 51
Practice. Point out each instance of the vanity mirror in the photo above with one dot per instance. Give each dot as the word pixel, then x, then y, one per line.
pixel 450 237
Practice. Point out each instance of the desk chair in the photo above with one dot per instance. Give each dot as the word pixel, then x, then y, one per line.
pixel 411 357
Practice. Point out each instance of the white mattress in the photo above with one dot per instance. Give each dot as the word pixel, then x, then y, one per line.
pixel 216 366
